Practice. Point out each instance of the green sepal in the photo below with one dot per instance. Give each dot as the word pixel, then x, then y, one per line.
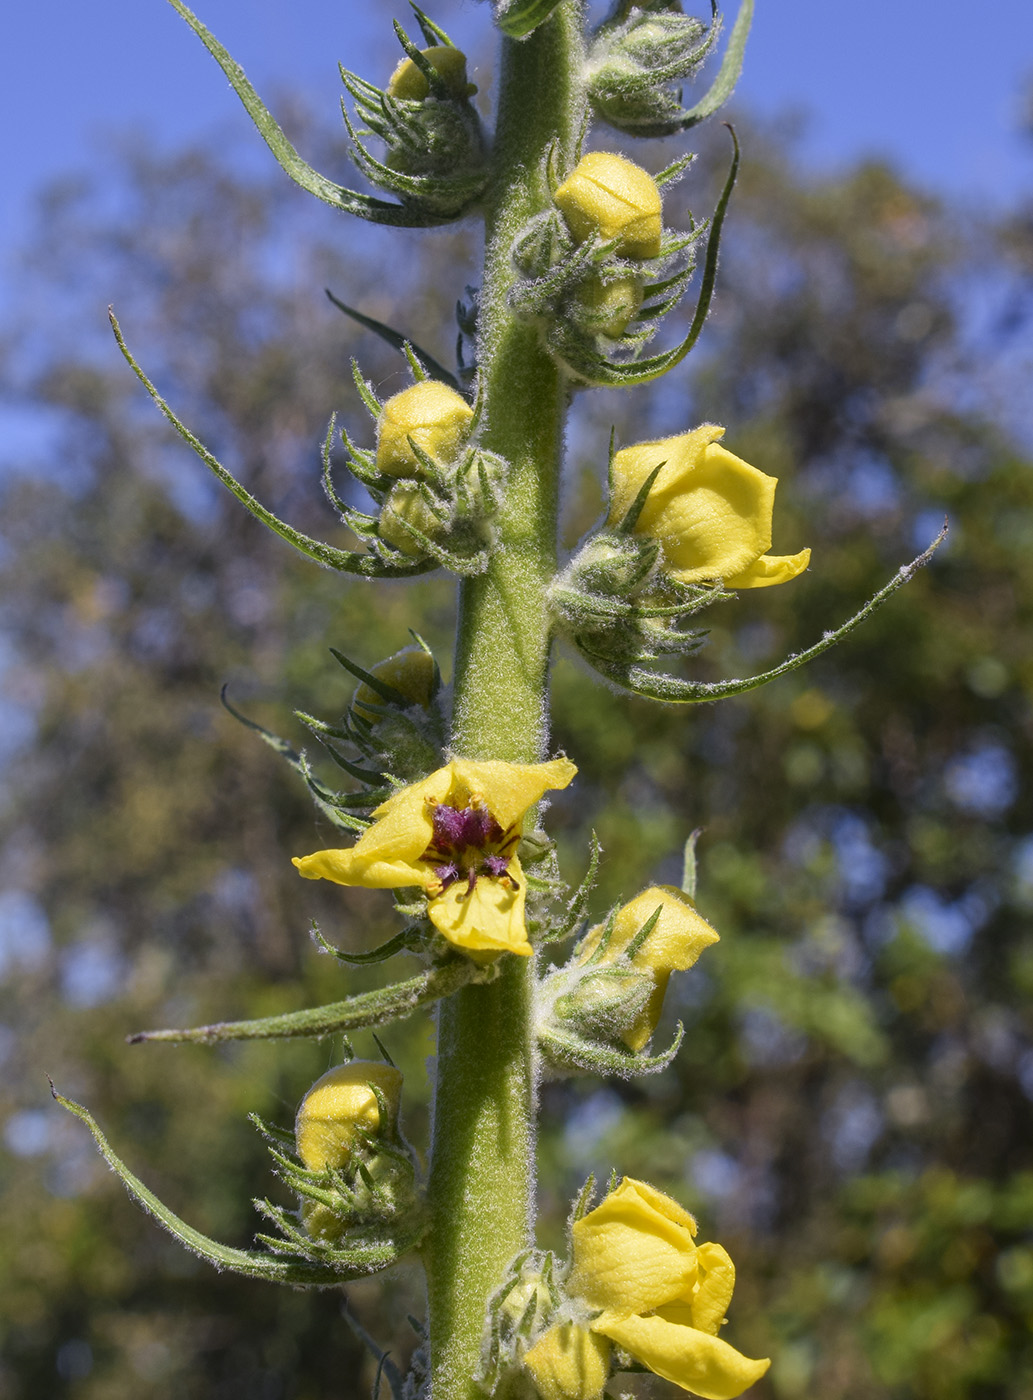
pixel 688 873
pixel 432 33
pixel 386 1368
pixel 345 561
pixel 593 368
pixel 446 195
pixel 404 942
pixel 318 729
pixel 727 75
pixel 384 689
pixel 565 1051
pixel 374 1008
pixel 518 18
pixel 438 86
pixel 329 802
pixel 673 690
pixel 364 206
pixel 581 1206
pixel 630 517
pixel 276 1268
pixel 577 905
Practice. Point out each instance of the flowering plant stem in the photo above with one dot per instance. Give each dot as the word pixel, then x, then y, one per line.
pixel 482 1174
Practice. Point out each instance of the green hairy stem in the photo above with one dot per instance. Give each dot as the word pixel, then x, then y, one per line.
pixel 482 1174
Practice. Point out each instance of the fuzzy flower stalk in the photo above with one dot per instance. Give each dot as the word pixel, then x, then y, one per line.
pixel 439 792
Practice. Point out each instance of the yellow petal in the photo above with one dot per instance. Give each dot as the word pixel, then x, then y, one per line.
pixel 433 415
pixel 676 941
pixel 770 569
pixel 634 1252
pixel 410 671
pixel 509 789
pixel 715 524
pixel 339 1106
pixel 715 1288
pixel 408 81
pixel 682 454
pixel 387 856
pixel 698 1362
pixel 613 197
pixel 488 918
pixel 569 1363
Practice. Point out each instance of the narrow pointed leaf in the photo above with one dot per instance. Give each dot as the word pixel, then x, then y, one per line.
pixel 403 942
pixel 397 341
pixel 566 1051
pixel 657 686
pixel 277 1268
pixel 330 802
pixel 341 559
pixel 374 1008
pixel 518 18
pixel 364 206
pixel 727 75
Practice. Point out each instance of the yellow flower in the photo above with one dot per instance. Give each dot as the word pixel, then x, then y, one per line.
pixel 340 1107
pixel 657 1293
pixel 407 81
pixel 569 1363
pixel 433 415
pixel 455 835
pixel 710 511
pixel 673 945
pixel 607 195
pixel 410 672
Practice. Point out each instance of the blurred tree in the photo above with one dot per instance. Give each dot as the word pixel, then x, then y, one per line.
pixel 851 1114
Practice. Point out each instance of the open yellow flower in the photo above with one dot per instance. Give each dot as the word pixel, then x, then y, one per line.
pixel 658 1294
pixel 673 945
pixel 709 510
pixel 454 835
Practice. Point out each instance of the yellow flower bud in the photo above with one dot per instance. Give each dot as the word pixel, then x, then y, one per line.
pixel 610 196
pixel 710 511
pixel 410 671
pixel 569 1363
pixel 656 1293
pixel 340 1107
pixel 407 504
pixel 408 82
pixel 673 945
pixel 433 415
pixel 607 307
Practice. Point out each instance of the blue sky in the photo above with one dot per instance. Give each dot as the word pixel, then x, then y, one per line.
pixel 934 84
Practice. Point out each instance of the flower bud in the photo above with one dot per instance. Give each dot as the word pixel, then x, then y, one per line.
pixel 410 83
pixel 569 1362
pixel 341 1108
pixel 407 505
pixel 605 308
pixel 433 415
pixel 609 196
pixel 637 63
pixel 672 945
pixel 709 510
pixel 410 671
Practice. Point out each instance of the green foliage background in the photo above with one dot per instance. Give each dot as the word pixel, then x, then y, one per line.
pixel 850 1114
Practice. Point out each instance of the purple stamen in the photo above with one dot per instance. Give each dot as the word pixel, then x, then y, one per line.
pixel 465 845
